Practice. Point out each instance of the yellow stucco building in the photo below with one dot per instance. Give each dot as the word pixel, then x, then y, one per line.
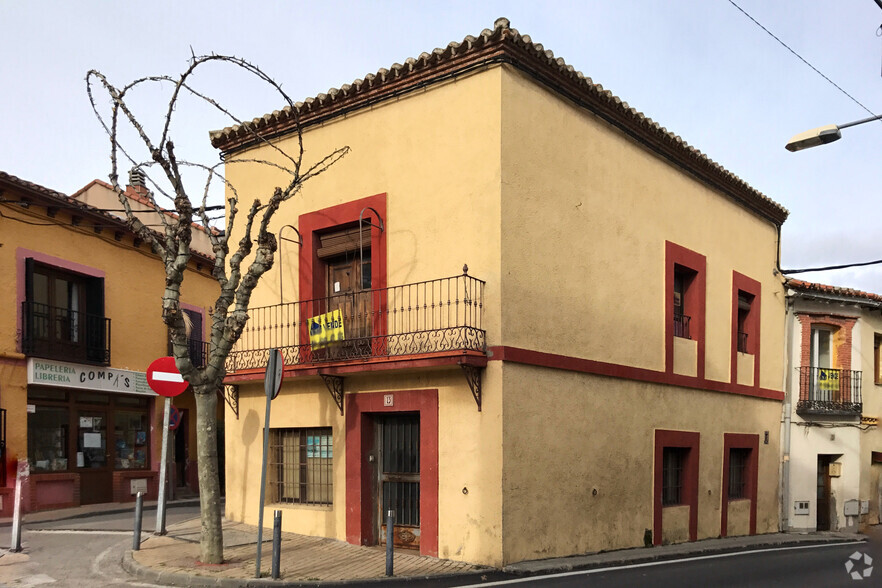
pixel 605 373
pixel 82 323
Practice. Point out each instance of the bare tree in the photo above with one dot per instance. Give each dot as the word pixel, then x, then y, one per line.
pixel 237 274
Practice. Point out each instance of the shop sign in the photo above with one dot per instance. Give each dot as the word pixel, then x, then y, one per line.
pixel 47 372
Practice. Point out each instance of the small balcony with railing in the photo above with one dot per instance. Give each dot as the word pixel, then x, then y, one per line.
pixel 63 334
pixel 829 392
pixel 439 318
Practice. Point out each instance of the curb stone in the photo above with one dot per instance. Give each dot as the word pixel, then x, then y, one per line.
pixel 149 574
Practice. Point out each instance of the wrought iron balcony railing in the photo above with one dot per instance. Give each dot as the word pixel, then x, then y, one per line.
pixel 425 317
pixel 829 391
pixel 60 333
pixel 198 351
pixel 681 325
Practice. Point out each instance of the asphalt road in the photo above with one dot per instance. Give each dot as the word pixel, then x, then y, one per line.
pixel 78 552
pixel 797 567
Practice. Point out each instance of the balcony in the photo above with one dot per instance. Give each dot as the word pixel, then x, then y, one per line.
pixel 681 325
pixel 66 335
pixel 830 392
pixel 440 317
pixel 198 350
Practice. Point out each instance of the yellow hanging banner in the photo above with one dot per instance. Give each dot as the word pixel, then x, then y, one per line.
pixel 325 329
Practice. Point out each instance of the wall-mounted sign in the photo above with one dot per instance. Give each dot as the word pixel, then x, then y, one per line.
pixel 388 400
pixel 48 372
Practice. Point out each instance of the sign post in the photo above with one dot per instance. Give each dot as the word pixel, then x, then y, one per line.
pixel 272 383
pixel 165 379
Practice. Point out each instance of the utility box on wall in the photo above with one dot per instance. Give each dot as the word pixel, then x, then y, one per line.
pixel 801 507
pixel 851 508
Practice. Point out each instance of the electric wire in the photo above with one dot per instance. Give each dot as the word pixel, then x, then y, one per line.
pixel 801 58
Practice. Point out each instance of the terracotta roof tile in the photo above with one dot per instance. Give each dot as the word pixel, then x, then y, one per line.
pixel 834 290
pixel 506 45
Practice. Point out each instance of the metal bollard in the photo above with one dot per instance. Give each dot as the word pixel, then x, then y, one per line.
pixel 139 511
pixel 277 542
pixel 390 524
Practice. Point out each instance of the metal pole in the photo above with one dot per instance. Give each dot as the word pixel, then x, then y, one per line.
pixel 277 542
pixel 262 487
pixel 139 513
pixel 163 473
pixel 390 523
pixel 23 472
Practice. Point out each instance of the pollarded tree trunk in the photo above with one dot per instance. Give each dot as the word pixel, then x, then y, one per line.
pixel 212 541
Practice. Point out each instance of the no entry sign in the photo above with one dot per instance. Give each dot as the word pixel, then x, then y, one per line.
pixel 164 378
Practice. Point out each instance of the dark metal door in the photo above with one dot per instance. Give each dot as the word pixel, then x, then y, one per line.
pixel 823 514
pixel 399 478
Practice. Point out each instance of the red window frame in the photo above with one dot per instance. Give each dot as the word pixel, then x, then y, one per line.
pixel 695 301
pixel 742 284
pixel 689 490
pixel 751 471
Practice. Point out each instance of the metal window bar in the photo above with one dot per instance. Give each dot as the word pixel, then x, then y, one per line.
pixel 673 462
pixel 198 351
pixel 738 459
pixel 829 390
pixel 681 325
pixel 301 466
pixel 60 333
pixel 445 314
pixel 742 342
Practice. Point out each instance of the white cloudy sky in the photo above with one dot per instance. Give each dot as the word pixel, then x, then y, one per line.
pixel 700 68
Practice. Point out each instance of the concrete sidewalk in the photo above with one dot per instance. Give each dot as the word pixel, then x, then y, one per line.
pixel 78 512
pixel 173 560
pixel 311 561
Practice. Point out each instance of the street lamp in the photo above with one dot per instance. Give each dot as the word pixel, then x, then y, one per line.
pixel 823 135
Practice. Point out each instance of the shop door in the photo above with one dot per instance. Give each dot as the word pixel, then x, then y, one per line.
pixel 823 514
pixel 398 449
pixel 93 457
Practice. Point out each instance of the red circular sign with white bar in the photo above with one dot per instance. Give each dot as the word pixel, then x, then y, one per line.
pixel 164 378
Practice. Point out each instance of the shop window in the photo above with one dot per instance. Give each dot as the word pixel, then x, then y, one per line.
pixel 739 458
pixel 302 464
pixel 130 438
pixel 48 429
pixel 673 463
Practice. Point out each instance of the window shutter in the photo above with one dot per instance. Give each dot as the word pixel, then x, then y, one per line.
pixel 344 241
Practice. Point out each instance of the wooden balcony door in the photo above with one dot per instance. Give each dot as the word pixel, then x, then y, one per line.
pixel 348 288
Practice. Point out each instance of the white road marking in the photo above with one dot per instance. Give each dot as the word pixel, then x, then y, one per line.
pixel 98 563
pixel 79 532
pixel 35 580
pixel 656 563
pixel 167 377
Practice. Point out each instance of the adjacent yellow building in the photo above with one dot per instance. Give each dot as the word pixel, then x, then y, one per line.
pixel 83 322
pixel 519 314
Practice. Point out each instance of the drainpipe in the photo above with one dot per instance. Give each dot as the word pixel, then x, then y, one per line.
pixel 786 412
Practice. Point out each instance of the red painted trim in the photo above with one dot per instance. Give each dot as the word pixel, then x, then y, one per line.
pixel 375 365
pixel 615 370
pixel 312 279
pixel 740 441
pixel 359 408
pixel 695 301
pixel 754 288
pixel 691 441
